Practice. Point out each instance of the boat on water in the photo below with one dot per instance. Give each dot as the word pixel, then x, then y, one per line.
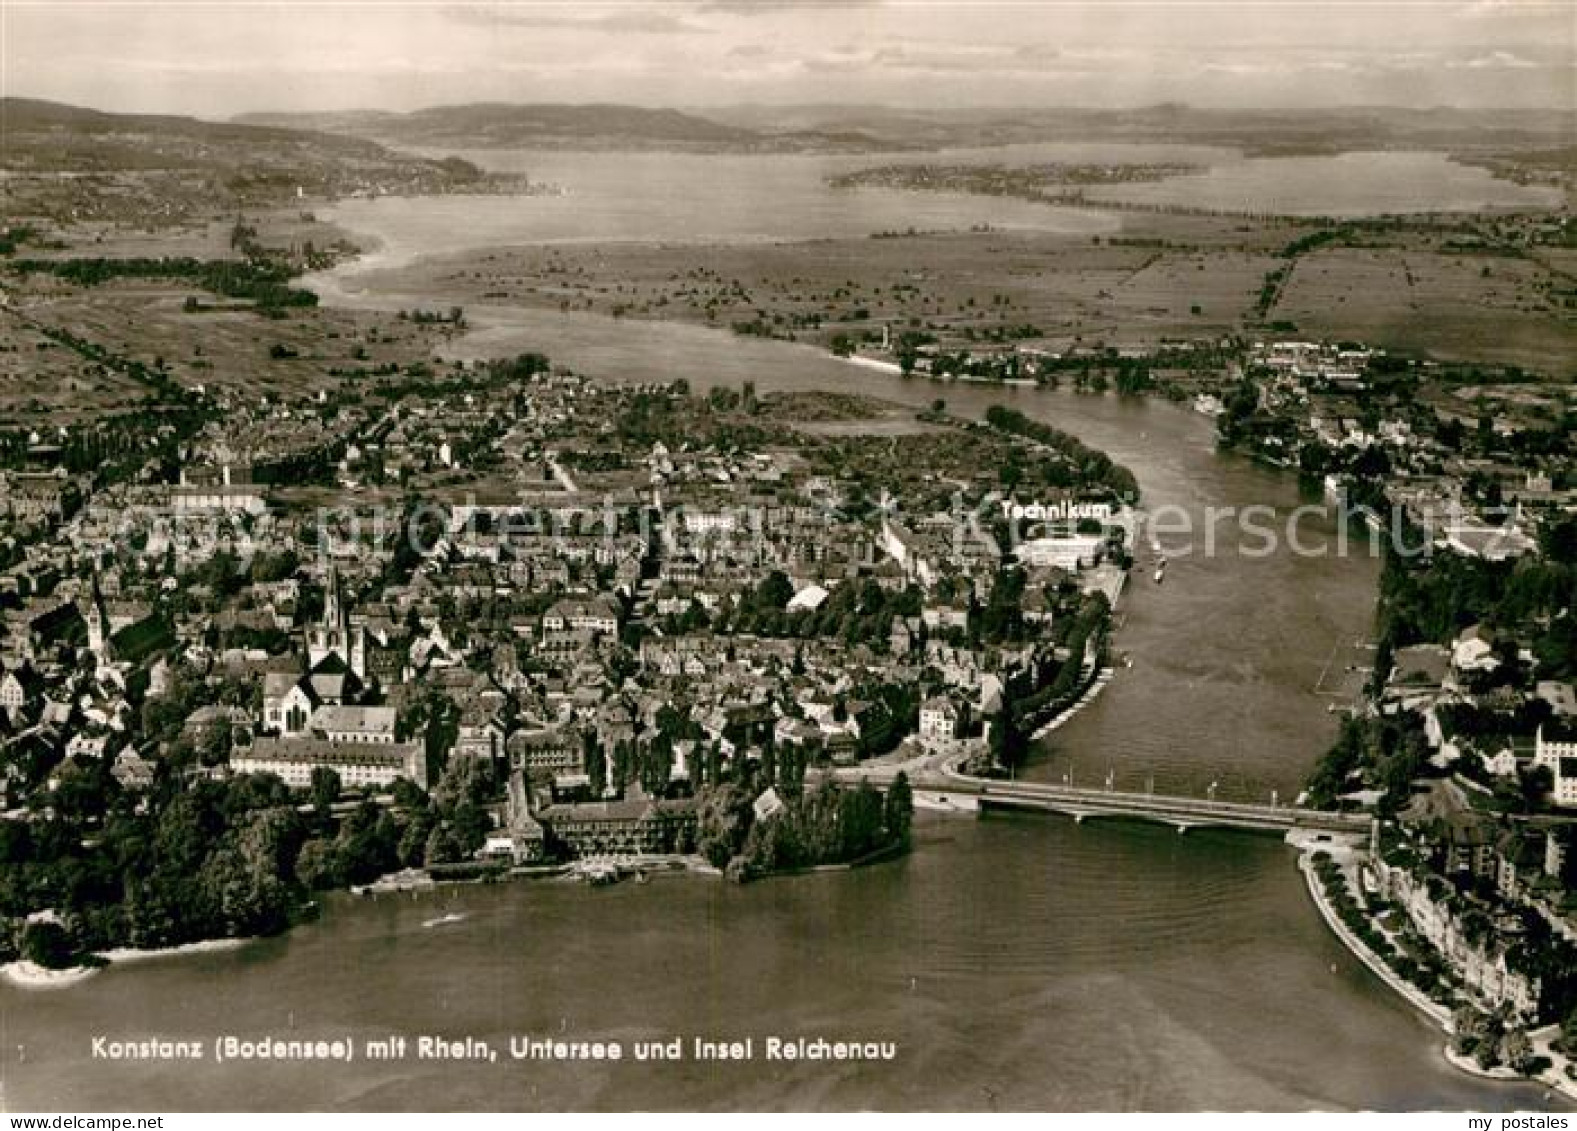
pixel 1160 573
pixel 412 880
pixel 599 873
pixel 445 920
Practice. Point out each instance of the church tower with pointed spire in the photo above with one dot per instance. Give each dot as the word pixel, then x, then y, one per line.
pixel 98 621
pixel 333 609
pixel 333 634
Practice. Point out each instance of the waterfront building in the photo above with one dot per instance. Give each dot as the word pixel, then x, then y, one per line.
pixel 1483 962
pixel 1069 551
pixel 523 840
pixel 633 826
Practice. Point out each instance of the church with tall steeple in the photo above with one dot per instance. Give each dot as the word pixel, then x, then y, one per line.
pixel 335 636
pixel 98 620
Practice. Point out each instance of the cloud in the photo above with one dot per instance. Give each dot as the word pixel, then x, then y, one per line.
pixel 963 57
pixel 221 57
pixel 636 19
pixel 940 57
pixel 775 7
pixel 1503 60
pixel 1481 9
pixel 839 59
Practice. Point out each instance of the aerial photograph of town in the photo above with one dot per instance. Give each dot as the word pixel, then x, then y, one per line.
pixel 814 555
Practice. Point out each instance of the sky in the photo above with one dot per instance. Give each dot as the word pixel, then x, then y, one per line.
pixel 214 58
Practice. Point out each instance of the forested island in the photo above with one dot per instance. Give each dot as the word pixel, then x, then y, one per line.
pixel 1046 181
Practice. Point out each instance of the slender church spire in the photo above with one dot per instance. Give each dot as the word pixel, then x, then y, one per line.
pixel 333 635
pixel 97 618
pixel 333 610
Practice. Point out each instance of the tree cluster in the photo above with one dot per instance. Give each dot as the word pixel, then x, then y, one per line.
pixel 831 824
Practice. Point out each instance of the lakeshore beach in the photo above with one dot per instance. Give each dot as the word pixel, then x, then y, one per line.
pixel 27 975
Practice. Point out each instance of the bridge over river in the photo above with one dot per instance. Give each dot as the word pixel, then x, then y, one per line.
pixel 942 786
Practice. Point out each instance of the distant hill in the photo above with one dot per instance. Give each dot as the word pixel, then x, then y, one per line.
pixel 497 125
pixel 172 166
pixel 52 137
pixel 876 129
pixel 1269 131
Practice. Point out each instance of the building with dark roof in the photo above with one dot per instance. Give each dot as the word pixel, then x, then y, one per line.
pixel 622 828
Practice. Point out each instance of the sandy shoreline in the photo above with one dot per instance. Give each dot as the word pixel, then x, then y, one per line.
pixel 861 360
pixel 26 975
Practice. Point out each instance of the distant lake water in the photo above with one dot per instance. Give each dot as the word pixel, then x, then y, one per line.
pixel 702 199
pixel 682 199
pixel 1349 184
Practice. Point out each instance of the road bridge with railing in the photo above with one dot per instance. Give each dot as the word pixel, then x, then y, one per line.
pixel 944 787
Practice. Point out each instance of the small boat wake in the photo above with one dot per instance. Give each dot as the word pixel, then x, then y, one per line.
pixel 445 920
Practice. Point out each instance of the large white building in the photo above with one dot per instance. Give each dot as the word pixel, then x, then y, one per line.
pixel 1555 746
pixel 939 719
pixel 904 548
pixel 1067 552
pixel 588 614
pixel 358 764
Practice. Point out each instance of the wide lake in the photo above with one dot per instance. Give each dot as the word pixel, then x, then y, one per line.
pixel 701 199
